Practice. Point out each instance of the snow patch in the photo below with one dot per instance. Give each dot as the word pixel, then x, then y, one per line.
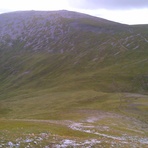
pixel 87 129
pixel 136 47
pixel 10 144
pixel 116 53
pixel 72 143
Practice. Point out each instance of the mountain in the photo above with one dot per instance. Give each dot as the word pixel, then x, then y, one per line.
pixel 57 31
pixel 63 51
pixel 72 42
pixel 69 79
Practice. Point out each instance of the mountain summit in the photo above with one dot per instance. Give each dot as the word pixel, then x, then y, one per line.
pixel 56 31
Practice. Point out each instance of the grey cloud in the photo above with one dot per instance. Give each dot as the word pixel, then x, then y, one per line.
pixel 109 4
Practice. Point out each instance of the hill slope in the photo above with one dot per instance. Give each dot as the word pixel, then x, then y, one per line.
pixel 68 52
pixel 72 80
pixel 70 42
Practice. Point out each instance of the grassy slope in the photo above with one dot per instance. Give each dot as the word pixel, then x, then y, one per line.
pixel 72 86
pixel 42 85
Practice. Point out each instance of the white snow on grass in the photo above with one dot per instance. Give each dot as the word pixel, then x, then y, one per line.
pixel 72 143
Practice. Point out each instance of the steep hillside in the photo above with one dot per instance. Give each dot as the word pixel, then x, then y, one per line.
pixel 72 80
pixel 62 51
pixel 43 47
pixel 54 31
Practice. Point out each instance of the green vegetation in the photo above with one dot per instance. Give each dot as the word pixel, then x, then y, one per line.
pixel 93 85
pixel 31 79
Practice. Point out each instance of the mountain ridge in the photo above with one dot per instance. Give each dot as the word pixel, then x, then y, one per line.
pixel 49 27
pixel 74 45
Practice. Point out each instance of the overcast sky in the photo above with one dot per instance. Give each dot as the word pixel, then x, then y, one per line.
pixel 123 11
